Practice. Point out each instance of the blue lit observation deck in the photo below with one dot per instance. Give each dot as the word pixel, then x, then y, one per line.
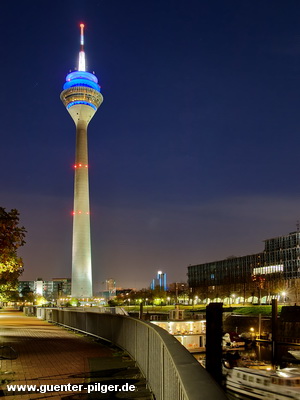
pixel 81 87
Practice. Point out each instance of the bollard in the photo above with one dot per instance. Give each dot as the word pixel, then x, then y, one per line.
pixel 214 340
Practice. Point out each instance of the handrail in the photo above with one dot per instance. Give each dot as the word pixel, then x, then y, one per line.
pixel 171 371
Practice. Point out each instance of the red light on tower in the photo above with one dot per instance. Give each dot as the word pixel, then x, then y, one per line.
pixel 82 39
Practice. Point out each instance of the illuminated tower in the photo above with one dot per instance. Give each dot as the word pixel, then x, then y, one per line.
pixel 82 97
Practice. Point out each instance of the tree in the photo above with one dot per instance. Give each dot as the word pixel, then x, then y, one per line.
pixel 27 294
pixel 260 284
pixel 11 266
pixel 40 300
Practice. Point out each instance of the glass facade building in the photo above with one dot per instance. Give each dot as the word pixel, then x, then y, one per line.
pixel 267 274
pixel 159 282
pixel 51 290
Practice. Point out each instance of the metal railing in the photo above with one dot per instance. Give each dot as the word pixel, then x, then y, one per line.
pixel 46 312
pixel 171 371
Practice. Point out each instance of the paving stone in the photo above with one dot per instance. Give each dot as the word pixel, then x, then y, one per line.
pixel 51 355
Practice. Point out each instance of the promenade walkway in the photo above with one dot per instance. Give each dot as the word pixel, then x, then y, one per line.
pixel 51 355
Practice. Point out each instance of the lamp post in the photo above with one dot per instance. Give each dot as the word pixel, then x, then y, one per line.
pixel 195 301
pixel 233 298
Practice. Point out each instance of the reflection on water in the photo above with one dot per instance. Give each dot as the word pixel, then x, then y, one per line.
pixel 260 352
pixel 263 352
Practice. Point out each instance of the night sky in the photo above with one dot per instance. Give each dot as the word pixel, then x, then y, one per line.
pixel 194 153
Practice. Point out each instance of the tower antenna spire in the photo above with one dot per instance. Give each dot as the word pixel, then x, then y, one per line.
pixel 81 61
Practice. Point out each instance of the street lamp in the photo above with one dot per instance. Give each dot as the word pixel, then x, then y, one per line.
pixel 283 295
pixel 233 298
pixel 195 301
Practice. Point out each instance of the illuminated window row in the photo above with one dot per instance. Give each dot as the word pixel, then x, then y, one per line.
pixel 73 103
pixel 80 212
pixel 80 93
pixel 271 269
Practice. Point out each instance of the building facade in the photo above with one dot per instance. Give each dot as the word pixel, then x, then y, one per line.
pixel 273 273
pixel 51 290
pixel 25 287
pixel 160 281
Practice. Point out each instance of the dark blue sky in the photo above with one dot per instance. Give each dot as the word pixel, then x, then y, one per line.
pixel 194 151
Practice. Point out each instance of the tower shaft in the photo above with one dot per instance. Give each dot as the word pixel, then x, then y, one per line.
pixel 81 96
pixel 81 249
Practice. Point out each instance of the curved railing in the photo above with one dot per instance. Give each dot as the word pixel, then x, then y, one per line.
pixel 171 371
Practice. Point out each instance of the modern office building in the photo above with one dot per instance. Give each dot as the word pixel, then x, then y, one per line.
pixel 81 96
pixel 159 282
pixel 26 287
pixel 51 290
pixel 56 288
pixel 111 288
pixel 274 272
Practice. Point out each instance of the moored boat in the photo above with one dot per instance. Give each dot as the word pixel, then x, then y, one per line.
pixel 281 384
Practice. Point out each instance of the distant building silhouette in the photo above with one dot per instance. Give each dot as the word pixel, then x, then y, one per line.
pixel 160 281
pixel 110 292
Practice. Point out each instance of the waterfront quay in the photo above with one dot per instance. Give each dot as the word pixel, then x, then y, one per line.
pixel 51 355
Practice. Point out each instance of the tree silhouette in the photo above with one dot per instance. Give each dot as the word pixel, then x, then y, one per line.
pixel 11 266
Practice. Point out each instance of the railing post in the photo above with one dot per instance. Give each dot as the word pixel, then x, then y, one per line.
pixel 148 351
pixel 162 355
